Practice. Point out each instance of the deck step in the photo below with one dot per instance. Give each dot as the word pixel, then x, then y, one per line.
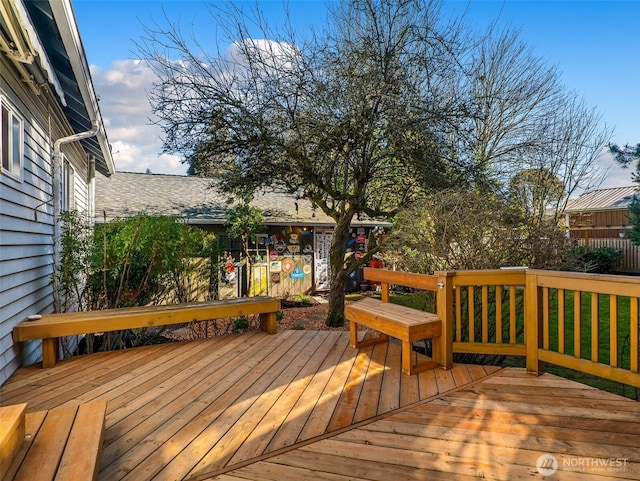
pixel 12 420
pixel 63 444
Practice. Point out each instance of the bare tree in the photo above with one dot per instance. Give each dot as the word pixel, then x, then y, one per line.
pixel 574 136
pixel 388 103
pixel 350 120
pixel 469 229
pixel 534 190
pixel 523 119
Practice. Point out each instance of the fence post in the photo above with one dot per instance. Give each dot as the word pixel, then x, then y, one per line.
pixel 444 309
pixel 532 322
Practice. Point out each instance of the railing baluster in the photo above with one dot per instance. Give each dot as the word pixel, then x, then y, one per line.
pixel 499 314
pixel 458 315
pixel 561 321
pixel 577 324
pixel 485 313
pixel 633 318
pixel 613 330
pixel 595 327
pixel 545 318
pixel 513 318
pixel 472 314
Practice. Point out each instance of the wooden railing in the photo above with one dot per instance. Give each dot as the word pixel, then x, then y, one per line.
pixel 488 311
pixel 584 312
pixel 585 322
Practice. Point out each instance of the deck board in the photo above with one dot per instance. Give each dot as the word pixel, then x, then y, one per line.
pixel 306 405
pixel 494 437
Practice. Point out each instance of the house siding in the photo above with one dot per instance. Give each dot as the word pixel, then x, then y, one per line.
pixel 27 219
pixel 601 224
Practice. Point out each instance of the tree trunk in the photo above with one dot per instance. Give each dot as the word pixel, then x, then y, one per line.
pixel 335 318
pixel 338 275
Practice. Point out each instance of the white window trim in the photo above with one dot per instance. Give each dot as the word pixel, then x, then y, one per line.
pixel 12 113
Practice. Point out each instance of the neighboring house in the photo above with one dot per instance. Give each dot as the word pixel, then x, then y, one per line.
pixel 291 255
pixel 600 214
pixel 52 143
pixel 601 219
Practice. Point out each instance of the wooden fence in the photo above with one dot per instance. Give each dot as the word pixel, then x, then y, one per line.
pixel 630 262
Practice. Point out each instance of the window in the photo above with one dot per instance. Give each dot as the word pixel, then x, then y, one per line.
pixel 10 139
pixel 68 186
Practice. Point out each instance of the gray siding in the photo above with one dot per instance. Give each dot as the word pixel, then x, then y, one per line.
pixel 26 218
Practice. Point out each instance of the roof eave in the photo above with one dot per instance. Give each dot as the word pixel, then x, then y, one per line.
pixel 67 26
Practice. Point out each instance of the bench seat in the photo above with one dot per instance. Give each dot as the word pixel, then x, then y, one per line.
pixel 401 322
pixel 51 327
pixel 63 444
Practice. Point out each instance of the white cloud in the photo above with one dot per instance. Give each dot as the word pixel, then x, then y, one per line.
pixel 136 142
pixel 617 176
pixel 122 89
pixel 275 58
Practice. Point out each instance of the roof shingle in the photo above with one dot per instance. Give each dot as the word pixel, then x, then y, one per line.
pixel 195 199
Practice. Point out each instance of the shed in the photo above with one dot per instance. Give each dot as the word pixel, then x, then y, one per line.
pixel 290 257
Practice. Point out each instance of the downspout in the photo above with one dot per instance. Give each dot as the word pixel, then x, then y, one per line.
pixel 57 166
pixel 57 190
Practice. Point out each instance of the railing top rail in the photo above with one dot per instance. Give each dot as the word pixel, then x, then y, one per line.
pixel 407 279
pixel 579 281
pixel 588 276
pixel 490 277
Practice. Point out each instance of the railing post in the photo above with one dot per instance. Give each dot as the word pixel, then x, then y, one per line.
pixel 444 308
pixel 532 322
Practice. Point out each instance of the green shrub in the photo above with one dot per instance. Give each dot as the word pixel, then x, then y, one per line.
pixel 303 299
pixel 241 324
pixel 593 259
pixel 129 262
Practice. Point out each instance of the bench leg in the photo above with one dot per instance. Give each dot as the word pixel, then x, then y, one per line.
pixel 269 322
pixel 438 353
pixel 353 333
pixel 407 357
pixel 49 352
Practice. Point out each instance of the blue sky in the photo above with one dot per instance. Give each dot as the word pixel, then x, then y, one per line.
pixel 594 44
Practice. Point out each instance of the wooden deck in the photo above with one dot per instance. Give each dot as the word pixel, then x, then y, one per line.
pixel 306 405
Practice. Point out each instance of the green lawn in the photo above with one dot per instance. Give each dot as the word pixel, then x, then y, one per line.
pixel 424 301
pixel 623 354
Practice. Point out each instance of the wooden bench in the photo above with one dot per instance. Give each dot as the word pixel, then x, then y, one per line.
pixel 51 327
pixel 401 322
pixel 63 444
